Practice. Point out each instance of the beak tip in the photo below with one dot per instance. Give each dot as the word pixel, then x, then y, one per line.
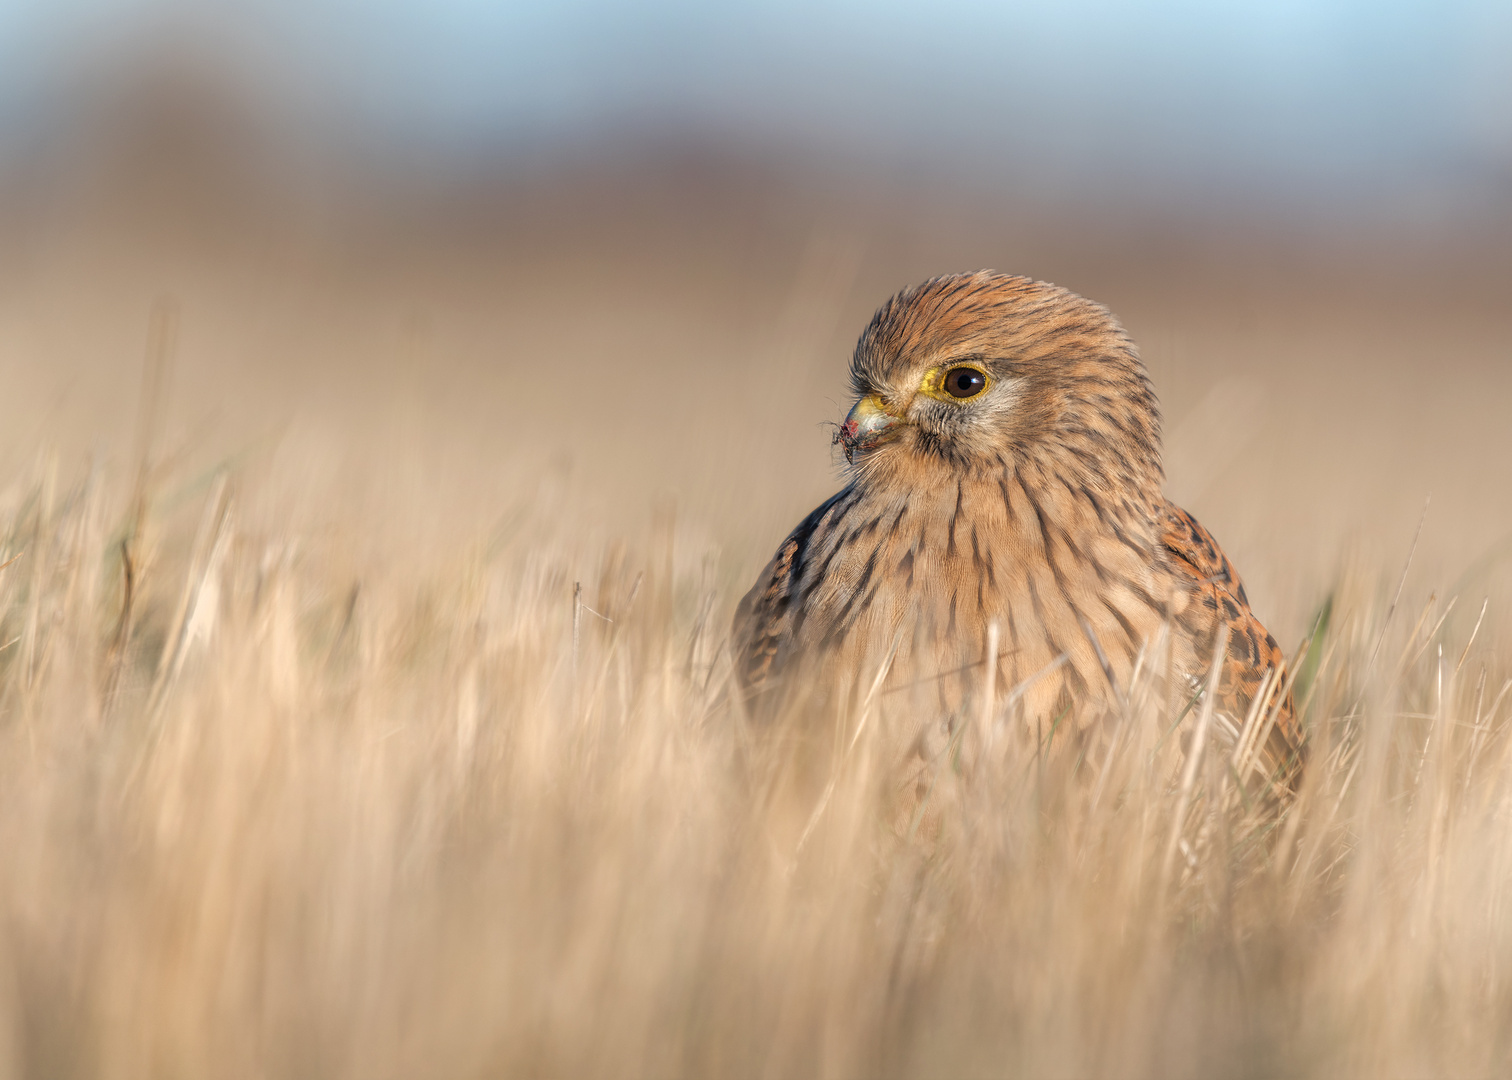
pixel 869 424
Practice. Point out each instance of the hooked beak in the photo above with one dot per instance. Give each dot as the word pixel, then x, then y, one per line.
pixel 869 425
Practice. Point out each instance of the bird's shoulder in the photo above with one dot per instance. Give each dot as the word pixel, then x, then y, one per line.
pixel 769 613
pixel 1196 556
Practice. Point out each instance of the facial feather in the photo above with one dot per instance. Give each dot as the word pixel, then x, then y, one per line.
pixel 1068 384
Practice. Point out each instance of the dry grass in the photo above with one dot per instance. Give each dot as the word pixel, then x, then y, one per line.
pixel 407 827
pixel 352 786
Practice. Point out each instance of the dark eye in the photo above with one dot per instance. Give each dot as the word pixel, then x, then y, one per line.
pixel 964 382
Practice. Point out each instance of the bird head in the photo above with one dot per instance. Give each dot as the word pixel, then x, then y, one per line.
pixel 985 372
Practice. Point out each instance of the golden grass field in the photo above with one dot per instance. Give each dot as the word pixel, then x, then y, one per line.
pixel 339 790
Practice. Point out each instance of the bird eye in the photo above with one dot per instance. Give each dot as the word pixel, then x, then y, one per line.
pixel 964 382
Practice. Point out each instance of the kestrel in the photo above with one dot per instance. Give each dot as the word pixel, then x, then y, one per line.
pixel 1004 461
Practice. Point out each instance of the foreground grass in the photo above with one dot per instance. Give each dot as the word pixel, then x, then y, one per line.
pixel 265 815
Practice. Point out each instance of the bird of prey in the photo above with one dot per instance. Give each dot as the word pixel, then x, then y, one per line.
pixel 1004 465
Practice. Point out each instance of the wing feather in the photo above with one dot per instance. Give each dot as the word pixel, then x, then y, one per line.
pixel 1252 651
pixel 768 616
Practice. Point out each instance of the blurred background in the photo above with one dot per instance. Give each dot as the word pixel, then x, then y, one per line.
pixel 436 260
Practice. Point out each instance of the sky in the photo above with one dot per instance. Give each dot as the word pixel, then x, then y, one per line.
pixel 1280 92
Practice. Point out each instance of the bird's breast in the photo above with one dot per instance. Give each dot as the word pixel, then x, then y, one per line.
pixel 918 581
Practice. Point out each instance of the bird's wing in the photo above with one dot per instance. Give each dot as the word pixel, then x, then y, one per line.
pixel 768 615
pixel 1252 651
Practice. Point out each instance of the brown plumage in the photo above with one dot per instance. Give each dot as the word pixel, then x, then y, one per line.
pixel 1005 468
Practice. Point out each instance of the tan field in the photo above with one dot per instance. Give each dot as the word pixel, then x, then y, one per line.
pixel 343 782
